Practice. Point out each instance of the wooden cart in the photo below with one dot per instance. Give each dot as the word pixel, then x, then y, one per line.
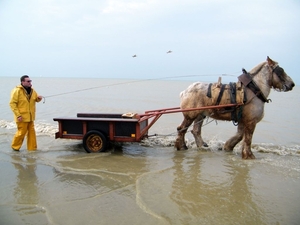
pixel 98 129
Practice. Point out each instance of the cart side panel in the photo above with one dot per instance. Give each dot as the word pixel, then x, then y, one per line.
pixel 72 127
pixel 125 129
pixel 102 126
pixel 143 124
pixel 142 130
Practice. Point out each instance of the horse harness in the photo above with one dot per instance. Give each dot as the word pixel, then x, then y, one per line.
pixel 233 93
pixel 247 81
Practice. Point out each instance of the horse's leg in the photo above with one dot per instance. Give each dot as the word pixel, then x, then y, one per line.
pixel 197 131
pixel 232 142
pixel 181 131
pixel 248 134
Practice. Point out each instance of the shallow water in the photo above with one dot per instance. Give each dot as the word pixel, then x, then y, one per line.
pixel 148 182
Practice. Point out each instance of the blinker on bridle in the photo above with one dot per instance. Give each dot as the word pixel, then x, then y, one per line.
pixel 279 72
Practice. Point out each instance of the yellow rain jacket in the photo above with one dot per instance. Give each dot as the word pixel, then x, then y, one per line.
pixel 23 104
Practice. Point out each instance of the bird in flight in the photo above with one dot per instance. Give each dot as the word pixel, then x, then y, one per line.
pixel 169 51
pixel 134 56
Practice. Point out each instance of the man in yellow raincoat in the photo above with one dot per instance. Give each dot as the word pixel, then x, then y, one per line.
pixel 22 103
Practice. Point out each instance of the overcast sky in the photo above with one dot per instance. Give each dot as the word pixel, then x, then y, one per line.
pixel 97 38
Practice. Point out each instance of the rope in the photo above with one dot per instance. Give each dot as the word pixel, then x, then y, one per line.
pixel 129 82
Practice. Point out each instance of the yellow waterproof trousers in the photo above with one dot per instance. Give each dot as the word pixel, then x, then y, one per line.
pixel 23 129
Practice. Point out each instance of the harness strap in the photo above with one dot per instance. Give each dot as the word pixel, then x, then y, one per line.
pixel 220 94
pixel 236 115
pixel 247 80
pixel 233 101
pixel 209 90
pixel 232 92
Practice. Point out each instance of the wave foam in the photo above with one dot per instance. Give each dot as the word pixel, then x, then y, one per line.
pixel 215 144
pixel 40 128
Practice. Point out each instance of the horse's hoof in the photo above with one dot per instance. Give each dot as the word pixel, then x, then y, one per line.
pixel 205 144
pixel 248 156
pixel 252 156
pixel 226 149
pixel 179 146
pixel 183 147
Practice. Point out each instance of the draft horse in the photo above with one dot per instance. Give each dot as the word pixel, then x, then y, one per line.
pixel 256 86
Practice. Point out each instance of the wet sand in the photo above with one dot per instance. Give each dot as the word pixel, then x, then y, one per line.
pixel 145 185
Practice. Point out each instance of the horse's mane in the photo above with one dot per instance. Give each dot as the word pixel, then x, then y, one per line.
pixel 257 68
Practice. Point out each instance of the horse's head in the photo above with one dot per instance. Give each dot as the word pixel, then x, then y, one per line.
pixel 279 79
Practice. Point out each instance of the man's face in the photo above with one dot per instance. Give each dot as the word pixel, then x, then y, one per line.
pixel 26 82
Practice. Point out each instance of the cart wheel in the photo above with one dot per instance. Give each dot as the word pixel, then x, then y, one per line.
pixel 94 141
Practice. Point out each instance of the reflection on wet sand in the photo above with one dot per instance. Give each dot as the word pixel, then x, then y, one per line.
pixel 199 187
pixel 26 189
pixel 206 192
pixel 26 192
pixel 100 186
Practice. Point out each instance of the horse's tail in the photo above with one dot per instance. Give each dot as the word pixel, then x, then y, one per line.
pixel 181 94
